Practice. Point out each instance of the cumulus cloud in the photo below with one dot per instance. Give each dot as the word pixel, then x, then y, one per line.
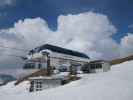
pixel 32 32
pixel 25 34
pixel 127 45
pixel 85 32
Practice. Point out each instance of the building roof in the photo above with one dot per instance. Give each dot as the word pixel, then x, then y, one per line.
pixel 59 50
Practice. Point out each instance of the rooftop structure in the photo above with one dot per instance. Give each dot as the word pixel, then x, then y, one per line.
pixel 58 50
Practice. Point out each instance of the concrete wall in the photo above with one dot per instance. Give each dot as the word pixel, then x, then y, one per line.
pixel 106 66
pixel 51 83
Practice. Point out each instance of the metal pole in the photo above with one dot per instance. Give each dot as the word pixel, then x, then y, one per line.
pixel 49 68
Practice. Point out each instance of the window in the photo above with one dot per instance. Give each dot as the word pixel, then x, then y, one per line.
pixel 38 85
pixel 39 65
pixel 92 66
pixel 29 66
pixel 32 86
pixel 96 65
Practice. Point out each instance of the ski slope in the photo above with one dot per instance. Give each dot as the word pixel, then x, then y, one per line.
pixel 116 84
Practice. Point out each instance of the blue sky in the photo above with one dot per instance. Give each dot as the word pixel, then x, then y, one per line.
pixel 118 11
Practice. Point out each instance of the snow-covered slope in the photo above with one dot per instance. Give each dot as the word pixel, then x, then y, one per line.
pixel 116 84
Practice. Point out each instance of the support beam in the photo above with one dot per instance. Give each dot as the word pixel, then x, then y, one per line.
pixel 73 70
pixel 49 68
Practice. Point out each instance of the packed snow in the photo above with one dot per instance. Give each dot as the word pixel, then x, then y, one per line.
pixel 116 84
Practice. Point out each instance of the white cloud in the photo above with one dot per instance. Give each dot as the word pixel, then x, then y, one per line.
pixel 7 2
pixel 130 26
pixel 86 32
pixel 127 45
pixel 33 32
pixel 25 34
pixel 5 60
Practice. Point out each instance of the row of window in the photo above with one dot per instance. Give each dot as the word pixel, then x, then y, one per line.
pixel 33 65
pixel 96 66
pixel 36 86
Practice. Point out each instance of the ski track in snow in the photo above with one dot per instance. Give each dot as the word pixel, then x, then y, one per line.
pixel 116 84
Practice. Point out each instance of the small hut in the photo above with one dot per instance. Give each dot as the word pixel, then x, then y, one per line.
pixel 96 66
